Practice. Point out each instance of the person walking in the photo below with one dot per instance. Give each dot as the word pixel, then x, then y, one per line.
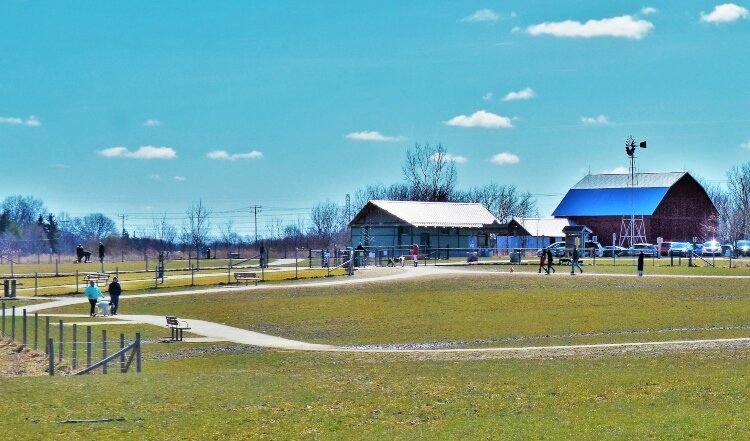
pixel 114 295
pixel 640 264
pixel 542 259
pixel 550 268
pixel 574 262
pixel 415 254
pixel 93 293
pixel 101 252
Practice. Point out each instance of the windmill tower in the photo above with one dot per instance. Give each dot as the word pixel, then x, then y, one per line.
pixel 632 228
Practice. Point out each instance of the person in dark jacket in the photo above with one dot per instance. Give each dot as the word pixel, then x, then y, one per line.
pixel 574 262
pixel 640 264
pixel 550 269
pixel 79 252
pixel 542 259
pixel 114 295
pixel 101 252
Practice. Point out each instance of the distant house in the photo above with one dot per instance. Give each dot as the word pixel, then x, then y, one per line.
pixel 396 225
pixel 532 232
pixel 674 206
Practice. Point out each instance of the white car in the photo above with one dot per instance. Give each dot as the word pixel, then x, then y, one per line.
pixel 711 248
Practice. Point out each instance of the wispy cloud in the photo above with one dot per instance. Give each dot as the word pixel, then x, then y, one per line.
pixel 481 118
pixel 226 156
pixel 726 13
pixel 648 10
pixel 617 171
pixel 525 94
pixel 487 96
pixel 152 123
pixel 595 120
pixel 180 178
pixel 144 152
pixel 155 177
pixel 745 145
pixel 451 158
pixel 373 135
pixel 505 158
pixel 482 16
pixel 31 121
pixel 626 26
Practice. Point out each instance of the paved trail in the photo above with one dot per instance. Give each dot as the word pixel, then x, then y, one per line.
pixel 217 331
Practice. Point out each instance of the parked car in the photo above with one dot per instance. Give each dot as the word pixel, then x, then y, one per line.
pixel 743 248
pixel 711 248
pixel 614 251
pixel 558 249
pixel 664 248
pixel 647 249
pixel 727 250
pixel 596 247
pixel 680 249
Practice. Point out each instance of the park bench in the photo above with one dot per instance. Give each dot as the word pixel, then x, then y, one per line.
pixel 177 327
pixel 245 277
pixel 101 279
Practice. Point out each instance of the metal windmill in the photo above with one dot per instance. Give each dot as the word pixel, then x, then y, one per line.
pixel 632 228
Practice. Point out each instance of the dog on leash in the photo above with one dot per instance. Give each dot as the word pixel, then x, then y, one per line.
pixel 103 307
pixel 392 261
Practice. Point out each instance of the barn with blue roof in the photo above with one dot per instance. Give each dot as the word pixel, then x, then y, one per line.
pixel 674 206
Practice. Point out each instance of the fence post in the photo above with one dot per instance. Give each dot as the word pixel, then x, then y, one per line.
pixel 36 331
pixel 122 356
pixel 229 270
pixel 61 341
pixel 104 350
pixel 3 319
pixel 51 356
pixel 88 346
pixel 57 264
pixel 36 283
pixel 192 276
pixel 13 323
pixel 117 272
pixel 46 333
pixel 76 281
pixel 25 340
pixel 156 276
pixel 75 346
pixel 138 352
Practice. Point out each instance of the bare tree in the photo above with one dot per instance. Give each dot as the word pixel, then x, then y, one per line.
pixel 197 226
pixel 94 226
pixel 503 201
pixel 163 232
pixel 229 237
pixel 430 173
pixel 326 221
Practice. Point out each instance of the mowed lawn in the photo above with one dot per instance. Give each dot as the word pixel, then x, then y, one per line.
pixel 478 309
pixel 293 395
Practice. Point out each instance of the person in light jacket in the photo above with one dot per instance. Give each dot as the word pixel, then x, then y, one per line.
pixel 93 293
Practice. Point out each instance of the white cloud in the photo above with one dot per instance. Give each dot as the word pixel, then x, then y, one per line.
pixel 156 177
pixel 31 121
pixel 481 118
pixel 451 158
pixel 482 15
pixel 373 135
pixel 625 27
pixel 595 120
pixel 152 123
pixel 525 94
pixel 726 13
pixel 617 171
pixel 487 96
pixel 745 145
pixel 648 10
pixel 143 152
pixel 224 155
pixel 505 158
pixel 180 178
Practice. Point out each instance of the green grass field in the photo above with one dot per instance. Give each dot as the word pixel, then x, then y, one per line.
pixel 227 391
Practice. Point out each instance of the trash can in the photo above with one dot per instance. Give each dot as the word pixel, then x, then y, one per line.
pixel 9 288
pixel 515 257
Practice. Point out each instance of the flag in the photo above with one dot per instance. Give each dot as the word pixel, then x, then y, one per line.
pixel 643 144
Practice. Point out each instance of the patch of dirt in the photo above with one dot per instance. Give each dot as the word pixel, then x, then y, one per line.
pixel 17 361
pixel 197 352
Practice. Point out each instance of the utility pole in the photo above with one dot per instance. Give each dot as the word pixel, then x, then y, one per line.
pixel 256 208
pixel 122 217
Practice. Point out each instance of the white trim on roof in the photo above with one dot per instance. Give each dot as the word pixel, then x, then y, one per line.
pixel 544 226
pixel 438 214
pixel 643 180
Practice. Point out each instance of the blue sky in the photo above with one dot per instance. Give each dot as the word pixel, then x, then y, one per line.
pixel 144 107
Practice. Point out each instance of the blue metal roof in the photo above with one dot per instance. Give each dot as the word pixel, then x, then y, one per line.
pixel 611 201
